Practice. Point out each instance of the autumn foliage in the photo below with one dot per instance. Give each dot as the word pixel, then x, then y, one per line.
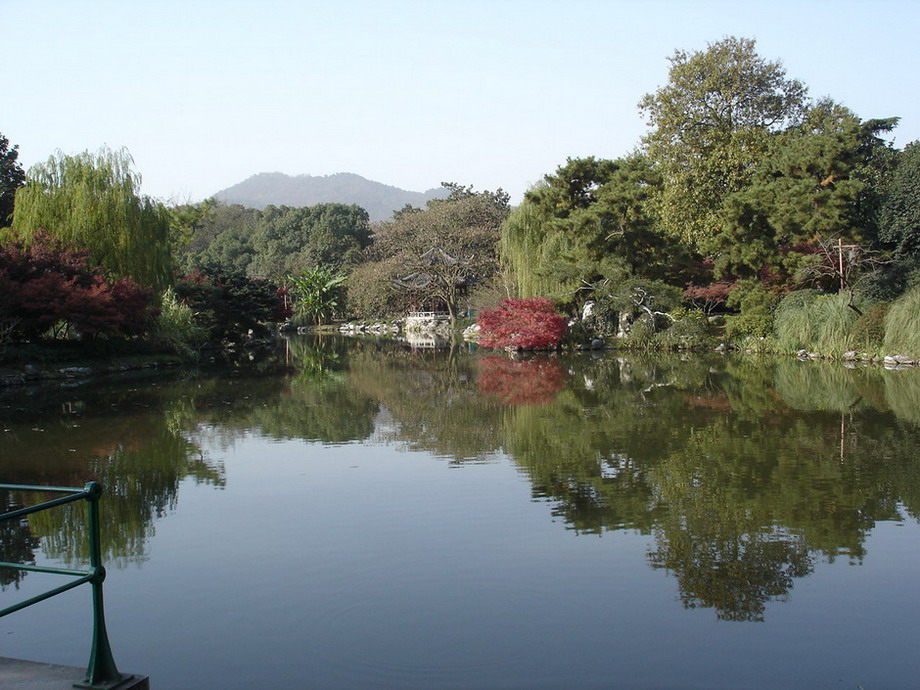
pixel 709 297
pixel 522 323
pixel 49 285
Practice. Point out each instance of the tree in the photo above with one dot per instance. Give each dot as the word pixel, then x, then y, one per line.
pixel 899 221
pixel 186 220
pixel 592 210
pixel 316 293
pixel 522 323
pixel 47 285
pixel 710 125
pixel 12 178
pixel 809 187
pixel 230 304
pixel 436 254
pixel 220 235
pixel 94 201
pixel 288 240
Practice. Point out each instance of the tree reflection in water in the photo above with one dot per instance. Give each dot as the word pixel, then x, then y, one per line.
pixel 533 381
pixel 743 473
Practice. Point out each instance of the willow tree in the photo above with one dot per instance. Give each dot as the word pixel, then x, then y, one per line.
pixel 94 201
pixel 522 247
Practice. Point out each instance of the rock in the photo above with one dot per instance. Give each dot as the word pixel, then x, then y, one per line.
pixel 902 361
pixel 814 355
pixel 75 371
pixel 850 356
pixel 721 347
pixel 597 344
pixel 472 332
pixel 802 354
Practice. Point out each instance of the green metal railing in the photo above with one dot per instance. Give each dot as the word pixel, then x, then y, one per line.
pixel 101 671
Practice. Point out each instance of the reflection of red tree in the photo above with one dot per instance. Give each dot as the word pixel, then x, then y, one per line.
pixel 521 382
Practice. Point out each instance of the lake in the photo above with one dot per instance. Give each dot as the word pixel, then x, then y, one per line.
pixel 360 514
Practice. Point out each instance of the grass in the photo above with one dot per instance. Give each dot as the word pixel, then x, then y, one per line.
pixel 902 325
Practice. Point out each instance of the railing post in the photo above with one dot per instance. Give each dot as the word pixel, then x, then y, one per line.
pixel 101 671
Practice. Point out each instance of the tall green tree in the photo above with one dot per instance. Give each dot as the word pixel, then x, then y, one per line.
pixel 12 177
pixel 288 240
pixel 590 232
pixel 93 200
pixel 810 186
pixel 710 125
pixel 899 219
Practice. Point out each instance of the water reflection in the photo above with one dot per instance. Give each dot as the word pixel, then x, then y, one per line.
pixel 743 473
pixel 534 381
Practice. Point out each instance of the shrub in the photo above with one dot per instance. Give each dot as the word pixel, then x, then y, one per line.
pixel 175 327
pixel 756 317
pixel 869 330
pixel 51 285
pixel 707 298
pixel 690 330
pixel 641 333
pixel 317 294
pixel 522 323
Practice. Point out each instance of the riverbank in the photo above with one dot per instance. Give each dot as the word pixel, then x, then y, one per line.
pixel 82 368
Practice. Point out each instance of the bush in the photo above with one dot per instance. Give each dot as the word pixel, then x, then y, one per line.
pixel 175 328
pixel 690 330
pixel 50 285
pixel 641 333
pixel 522 323
pixel 756 317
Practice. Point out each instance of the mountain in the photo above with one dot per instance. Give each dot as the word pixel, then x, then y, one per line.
pixel 379 200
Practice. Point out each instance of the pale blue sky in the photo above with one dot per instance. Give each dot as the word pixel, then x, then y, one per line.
pixel 493 93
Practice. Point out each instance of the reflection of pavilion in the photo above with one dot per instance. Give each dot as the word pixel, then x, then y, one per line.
pixel 426 340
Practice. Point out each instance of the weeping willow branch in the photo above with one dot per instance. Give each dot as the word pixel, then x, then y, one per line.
pixel 94 201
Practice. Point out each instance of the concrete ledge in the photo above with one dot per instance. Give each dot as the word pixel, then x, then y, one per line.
pixel 16 674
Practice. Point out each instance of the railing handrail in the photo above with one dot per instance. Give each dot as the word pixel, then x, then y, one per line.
pixel 101 671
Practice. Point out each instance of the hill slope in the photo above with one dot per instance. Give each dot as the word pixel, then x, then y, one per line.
pixel 379 200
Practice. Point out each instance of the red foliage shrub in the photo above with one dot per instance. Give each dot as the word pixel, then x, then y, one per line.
pixel 48 283
pixel 521 382
pixel 522 323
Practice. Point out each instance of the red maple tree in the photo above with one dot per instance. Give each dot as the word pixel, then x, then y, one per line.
pixel 522 323
pixel 47 283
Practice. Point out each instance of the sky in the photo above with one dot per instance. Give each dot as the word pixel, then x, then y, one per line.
pixel 411 93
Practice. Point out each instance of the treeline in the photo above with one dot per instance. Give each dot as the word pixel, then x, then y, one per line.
pixel 84 256
pixel 792 217
pixel 748 213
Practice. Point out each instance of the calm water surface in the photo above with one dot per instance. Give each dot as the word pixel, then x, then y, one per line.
pixel 368 516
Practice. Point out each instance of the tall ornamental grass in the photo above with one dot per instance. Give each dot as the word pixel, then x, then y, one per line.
pixel 902 325
pixel 817 323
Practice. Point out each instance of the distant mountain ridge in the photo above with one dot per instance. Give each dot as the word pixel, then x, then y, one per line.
pixel 278 189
